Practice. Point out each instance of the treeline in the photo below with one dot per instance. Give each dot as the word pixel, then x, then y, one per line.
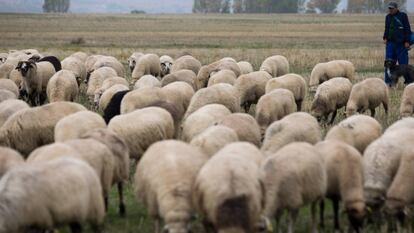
pixel 289 6
pixel 56 6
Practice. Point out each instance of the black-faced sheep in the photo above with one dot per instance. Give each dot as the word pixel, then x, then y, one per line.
pixel 62 86
pixel 275 65
pixel 336 68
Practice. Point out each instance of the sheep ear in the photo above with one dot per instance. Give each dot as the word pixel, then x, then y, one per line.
pixel 19 65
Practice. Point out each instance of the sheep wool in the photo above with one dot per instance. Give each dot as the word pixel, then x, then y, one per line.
pixel 251 87
pixel 9 107
pixel 147 64
pixel 62 87
pixel 186 62
pixel 223 76
pixel 9 158
pixel 187 76
pixel 214 138
pixel 245 67
pixel 336 68
pixel 275 65
pixel 407 101
pixel 7 84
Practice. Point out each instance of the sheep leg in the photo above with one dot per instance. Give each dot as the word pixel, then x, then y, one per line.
pixel 75 228
pixel 314 223
pixel 42 98
pixel 321 214
pixel 278 215
pixel 333 116
pixel 335 202
pixel 385 105
pixel 106 200
pixel 208 227
pixel 293 214
pixel 121 199
pixel 373 112
pixel 299 105
pixel 157 225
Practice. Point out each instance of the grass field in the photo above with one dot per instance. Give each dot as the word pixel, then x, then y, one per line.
pixel 304 39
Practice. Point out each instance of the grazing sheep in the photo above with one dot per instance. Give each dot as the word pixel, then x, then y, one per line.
pixel 337 68
pixel 89 62
pixel 96 80
pixel 107 61
pixel 108 83
pixel 9 107
pixel 295 127
pixel 143 127
pixel 407 101
pixel 164 181
pixel 35 79
pixel 106 97
pixel 3 57
pixel 344 170
pixel 147 64
pixel 187 76
pixel 10 64
pixel 16 77
pixel 221 93
pixel 80 55
pixel 273 106
pixel 77 124
pixel 206 71
pixel 202 119
pixel 405 123
pixel 294 83
pixel 358 131
pixel 330 96
pixel 275 65
pixel 147 81
pixel 113 108
pixel 244 125
pixel 51 59
pixel 62 86
pixel 9 158
pixel 9 85
pixel 245 67
pixel 186 62
pixel 223 76
pixel 30 128
pixel 166 62
pixel 214 138
pixel 77 67
pixel 236 203
pixel 367 94
pixel 6 95
pixel 40 198
pixel 132 60
pixel 141 98
pixel 293 177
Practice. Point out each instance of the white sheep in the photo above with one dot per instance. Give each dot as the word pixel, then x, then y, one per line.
pixel 202 119
pixel 9 85
pixel 62 86
pixel 9 158
pixel 275 65
pixel 106 97
pixel 143 127
pixel 221 93
pixel 76 66
pixel 97 78
pixel 3 57
pixel 75 125
pixel 6 95
pixel 293 82
pixel 345 173
pixel 236 203
pixel 147 81
pixel 358 131
pixel 107 61
pixel 293 177
pixel 9 107
pixel 187 76
pixel 223 76
pixel 407 101
pixel 108 83
pixel 30 128
pixel 245 67
pixel 10 64
pixel 164 181
pixel 16 77
pixel 214 138
pixel 368 94
pixel 273 106
pixel 80 55
pixel 206 71
pixel 166 62
pixel 186 62
pixel 147 64
pixel 132 60
pixel 405 123
pixel 336 68
pixel 330 96
pixel 40 198
pixel 141 98
pixel 295 127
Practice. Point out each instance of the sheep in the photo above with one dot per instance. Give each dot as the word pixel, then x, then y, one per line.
pixel 245 67
pixel 30 128
pixel 107 61
pixel 275 65
pixel 16 77
pixel 166 62
pixel 120 152
pixel 221 93
pixel 273 106
pixel 186 62
pixel 244 125
pixel 132 60
pixel 407 101
pixel 77 67
pixel 35 79
pixel 9 85
pixel 236 203
pixel 201 119
pixel 223 76
pixel 206 71
pixel 9 107
pixel 344 170
pixel 330 96
pixel 147 81
pixel 51 59
pixel 147 64
pixel 3 58
pixel 97 78
pixel 143 127
pixel 75 125
pixel 106 84
pixel 295 127
pixel 337 68
pixel 106 97
pixel 164 180
pixel 187 76
pixel 62 86
pixel 294 83
pixel 9 158
pixel 40 198
pixel 141 98
pixel 367 94
pixel 405 123
pixel 293 177
pixel 89 62
pixel 6 95
pixel 10 64
pixel 113 108
pixel 80 55
pixel 358 131
pixel 214 138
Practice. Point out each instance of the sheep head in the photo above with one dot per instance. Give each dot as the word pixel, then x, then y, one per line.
pixel 356 214
pixel 25 66
pixel 177 227
pixel 165 68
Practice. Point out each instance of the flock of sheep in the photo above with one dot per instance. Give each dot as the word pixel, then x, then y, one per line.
pixel 199 149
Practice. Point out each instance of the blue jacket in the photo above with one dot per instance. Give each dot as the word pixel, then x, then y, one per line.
pixel 402 30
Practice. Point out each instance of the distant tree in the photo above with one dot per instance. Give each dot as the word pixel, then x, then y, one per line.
pixel 226 5
pixel 138 12
pixel 325 6
pixel 371 6
pixel 56 6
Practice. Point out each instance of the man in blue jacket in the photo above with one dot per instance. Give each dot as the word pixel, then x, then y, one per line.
pixel 396 36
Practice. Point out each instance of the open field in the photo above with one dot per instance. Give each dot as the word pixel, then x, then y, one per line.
pixel 304 39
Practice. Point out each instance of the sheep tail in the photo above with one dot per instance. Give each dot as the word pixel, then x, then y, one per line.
pixel 234 213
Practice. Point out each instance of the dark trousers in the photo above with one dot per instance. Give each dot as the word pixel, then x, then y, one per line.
pixel 395 51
